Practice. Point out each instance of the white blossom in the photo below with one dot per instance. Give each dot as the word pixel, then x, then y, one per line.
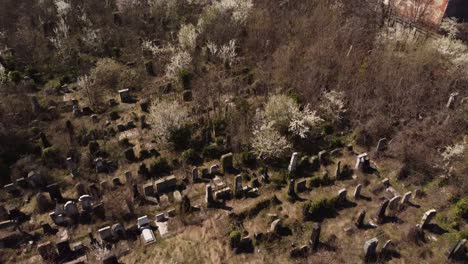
pixel 167 117
pixel 267 142
pixel 188 37
pixel 180 61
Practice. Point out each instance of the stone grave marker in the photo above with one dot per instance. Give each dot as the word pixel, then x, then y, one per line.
pixel 293 162
pixel 357 191
pixel 381 212
pixel 360 219
pixel 427 217
pixel 315 236
pixel 226 162
pixel 370 250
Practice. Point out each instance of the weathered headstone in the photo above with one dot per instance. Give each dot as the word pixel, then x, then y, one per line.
pixel 45 143
pixel 63 247
pixel 54 191
pixel 276 226
pixel 406 198
pixel 116 182
pixel 338 170
pixel 47 251
pixel 323 156
pixel 342 196
pixel 370 248
pixel 195 176
pixel 226 162
pixel 118 231
pixel 105 233
pixel 457 251
pixel 214 169
pixel 362 162
pixel 357 191
pixel 301 186
pixel 451 100
pixel 125 95
pixel 94 190
pixel 427 217
pixel 386 182
pixel 393 204
pixel 129 154
pixel 42 202
pixel 291 186
pixel 381 212
pixel 165 184
pixel 315 236
pixel 71 209
pixel 293 162
pixel 205 172
pixel 360 219
pixel 148 189
pixel 382 144
pixel 187 95
pixel 86 202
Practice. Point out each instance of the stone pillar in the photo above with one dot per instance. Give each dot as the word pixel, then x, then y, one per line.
pixel 338 171
pixel 226 162
pixel 293 162
pixel 45 143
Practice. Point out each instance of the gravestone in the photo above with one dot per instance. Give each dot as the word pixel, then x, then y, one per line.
pixel 148 189
pixel 315 236
pixel 149 68
pixel 276 226
pixel 238 186
pixel 187 95
pixel 11 188
pixel 42 202
pixel 209 195
pixel 293 162
pixel 105 233
pixel 360 219
pixel 143 171
pixel 94 190
pixel 386 182
pixel 165 184
pixel 54 191
pixel 370 248
pixel 301 186
pixel 125 96
pixel 457 251
pixel 129 154
pixel 323 156
pixel 427 217
pixel 86 202
pixel 342 196
pixel 47 251
pixel 35 179
pixel 177 196
pixel 63 247
pixel 451 100
pixel 93 147
pixel 357 191
pixel 226 162
pixel 393 204
pixel 205 172
pixel 45 143
pixel 291 186
pixel 386 248
pixel 116 182
pixel 338 170
pixel 406 198
pixel 128 177
pixel 71 209
pixel 214 169
pixel 118 231
pixel 362 162
pixel 195 176
pixel 381 212
pixel 22 183
pixel 382 145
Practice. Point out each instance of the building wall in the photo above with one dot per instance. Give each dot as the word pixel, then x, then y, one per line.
pixel 428 12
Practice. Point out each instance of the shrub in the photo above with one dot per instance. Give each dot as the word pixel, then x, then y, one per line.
pixel 248 158
pixel 50 155
pixel 180 138
pixel 14 76
pixel 336 142
pixel 111 75
pixel 323 207
pixel 234 239
pixel 185 77
pixel 211 151
pixel 462 208
pixel 160 166
pixel 52 85
pixel 190 156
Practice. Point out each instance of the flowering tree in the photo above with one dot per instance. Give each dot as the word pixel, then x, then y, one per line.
pixel 167 119
pixel 333 107
pixel 188 37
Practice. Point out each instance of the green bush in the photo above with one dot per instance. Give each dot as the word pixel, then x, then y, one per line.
pixel 327 129
pixel 234 239
pixel 248 158
pixel 336 142
pixel 462 208
pixel 463 234
pixel 50 155
pixel 159 166
pixel 322 207
pixel 185 78
pixel 14 76
pixel 180 138
pixel 52 85
pixel 211 151
pixel 190 156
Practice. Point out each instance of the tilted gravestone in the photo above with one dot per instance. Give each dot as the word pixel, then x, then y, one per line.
pixel 427 218
pixel 357 191
pixel 226 162
pixel 360 219
pixel 315 236
pixel 381 212
pixel 370 250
